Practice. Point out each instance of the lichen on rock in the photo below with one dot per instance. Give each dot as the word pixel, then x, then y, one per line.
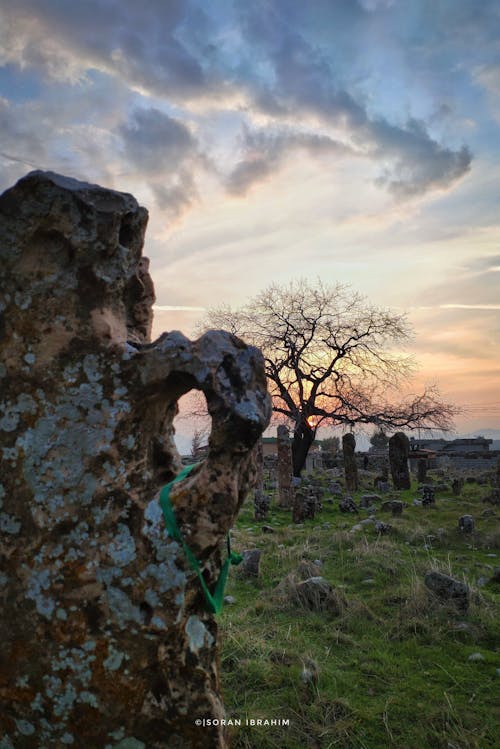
pixel 105 638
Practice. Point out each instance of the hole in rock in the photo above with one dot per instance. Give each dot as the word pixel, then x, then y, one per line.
pixel 192 425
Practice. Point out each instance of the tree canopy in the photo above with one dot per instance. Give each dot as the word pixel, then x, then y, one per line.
pixel 332 358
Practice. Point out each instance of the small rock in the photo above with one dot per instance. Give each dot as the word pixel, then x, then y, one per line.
pixel 356 528
pixel 476 657
pixel 347 504
pixel 466 523
pixel 382 528
pixel 267 529
pixel 250 565
pixel 448 590
pixel 368 581
pixel 417 502
pixel 316 594
pixel 229 599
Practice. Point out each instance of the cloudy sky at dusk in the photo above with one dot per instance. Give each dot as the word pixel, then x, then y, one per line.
pixel 355 140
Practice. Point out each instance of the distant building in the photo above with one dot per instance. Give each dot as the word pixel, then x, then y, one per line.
pixel 463 445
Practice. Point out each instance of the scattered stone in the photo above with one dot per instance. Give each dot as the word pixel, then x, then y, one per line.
pixel 367 500
pixel 448 590
pixel 417 502
pixel 267 529
pixel 368 581
pixel 317 594
pixel 481 581
pixel 318 562
pixel 476 657
pixel 457 485
pixel 399 450
pixel 307 569
pixel 229 600
pixel 466 523
pixel 261 502
pixel 383 486
pixel 382 528
pixel 393 505
pixel 356 528
pixel 251 562
pixel 304 505
pixel 428 496
pixel 348 505
pixel 336 489
pixel 366 521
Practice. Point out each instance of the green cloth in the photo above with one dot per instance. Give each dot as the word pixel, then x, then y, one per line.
pixel 214 600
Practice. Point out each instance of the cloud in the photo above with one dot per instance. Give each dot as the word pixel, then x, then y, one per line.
pixel 266 151
pixel 304 82
pixel 306 73
pixel 166 154
pixel 138 42
pixel 420 162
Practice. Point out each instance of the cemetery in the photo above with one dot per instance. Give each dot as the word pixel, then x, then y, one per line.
pixel 373 621
pixel 361 600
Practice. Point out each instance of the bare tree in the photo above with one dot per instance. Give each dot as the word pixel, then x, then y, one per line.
pixel 331 357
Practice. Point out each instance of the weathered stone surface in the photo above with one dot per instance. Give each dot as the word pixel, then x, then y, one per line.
pixel 399 449
pixel 395 506
pixel 350 465
pixel 428 495
pixel 251 563
pixel 304 505
pixel 466 523
pixel 317 594
pixel 347 504
pixel 261 502
pixel 285 467
pixel 448 590
pixel 421 470
pixel 105 636
pixel 367 500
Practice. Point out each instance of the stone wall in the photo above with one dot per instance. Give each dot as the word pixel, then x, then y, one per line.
pixel 105 638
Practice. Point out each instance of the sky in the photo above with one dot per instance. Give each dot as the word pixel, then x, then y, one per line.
pixel 352 140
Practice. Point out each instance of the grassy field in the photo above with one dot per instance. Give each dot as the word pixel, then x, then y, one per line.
pixel 392 667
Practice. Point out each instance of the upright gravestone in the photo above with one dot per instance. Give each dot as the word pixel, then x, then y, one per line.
pixel 106 639
pixel 422 470
pixel 399 449
pixel 350 465
pixel 285 468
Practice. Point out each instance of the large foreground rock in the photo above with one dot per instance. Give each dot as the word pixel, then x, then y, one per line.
pixel 105 638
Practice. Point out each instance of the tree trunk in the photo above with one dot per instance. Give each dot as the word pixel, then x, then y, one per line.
pixel 303 438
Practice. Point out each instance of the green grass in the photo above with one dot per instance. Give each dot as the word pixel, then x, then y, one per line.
pixel 392 668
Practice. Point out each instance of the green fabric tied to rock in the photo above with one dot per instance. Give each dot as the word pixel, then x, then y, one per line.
pixel 216 599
